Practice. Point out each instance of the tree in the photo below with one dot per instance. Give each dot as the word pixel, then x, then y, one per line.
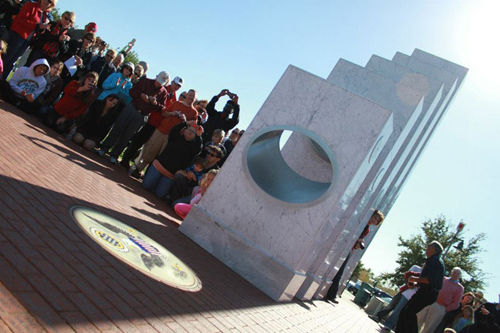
pixel 132 57
pixel 440 229
pixel 357 271
pixel 55 14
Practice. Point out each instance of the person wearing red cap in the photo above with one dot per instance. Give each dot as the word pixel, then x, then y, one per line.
pixel 77 34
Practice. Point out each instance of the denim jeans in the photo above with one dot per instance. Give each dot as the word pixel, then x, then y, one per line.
pixel 391 321
pixel 16 47
pixel 159 184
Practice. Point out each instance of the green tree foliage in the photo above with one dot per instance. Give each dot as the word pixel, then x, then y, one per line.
pixel 363 273
pixel 133 57
pixel 357 271
pixel 413 253
pixel 55 14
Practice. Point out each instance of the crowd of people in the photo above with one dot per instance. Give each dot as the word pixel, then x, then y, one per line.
pixel 429 302
pixel 93 96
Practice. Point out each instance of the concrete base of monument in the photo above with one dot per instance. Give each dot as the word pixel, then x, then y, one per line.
pixel 309 287
pixel 274 278
pixel 322 289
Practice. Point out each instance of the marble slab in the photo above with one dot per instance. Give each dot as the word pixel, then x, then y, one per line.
pixel 261 215
pixel 441 69
pixel 405 100
pixel 371 199
pixel 452 76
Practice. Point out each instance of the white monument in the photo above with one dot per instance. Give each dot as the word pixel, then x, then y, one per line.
pixel 285 219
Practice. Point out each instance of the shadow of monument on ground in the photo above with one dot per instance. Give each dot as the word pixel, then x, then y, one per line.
pixel 80 274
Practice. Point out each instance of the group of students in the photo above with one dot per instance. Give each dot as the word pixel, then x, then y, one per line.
pixel 84 90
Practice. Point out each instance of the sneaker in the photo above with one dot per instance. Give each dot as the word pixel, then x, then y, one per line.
pixel 136 174
pixel 334 301
pixel 113 160
pixel 130 170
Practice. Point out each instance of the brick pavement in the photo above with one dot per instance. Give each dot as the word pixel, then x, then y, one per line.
pixel 53 277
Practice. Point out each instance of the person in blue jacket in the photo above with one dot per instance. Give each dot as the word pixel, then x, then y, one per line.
pixel 119 83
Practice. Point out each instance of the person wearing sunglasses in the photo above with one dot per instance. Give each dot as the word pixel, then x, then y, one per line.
pixel 182 189
pixel 33 19
pixel 78 34
pixel 119 84
pixel 104 67
pixel 53 41
pixel 82 51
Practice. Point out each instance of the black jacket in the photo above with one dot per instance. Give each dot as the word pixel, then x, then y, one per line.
pixel 179 152
pixel 218 120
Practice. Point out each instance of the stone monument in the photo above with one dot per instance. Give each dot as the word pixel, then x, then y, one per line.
pixel 285 217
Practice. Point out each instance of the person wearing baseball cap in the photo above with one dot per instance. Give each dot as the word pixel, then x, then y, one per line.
pixel 77 34
pixel 148 96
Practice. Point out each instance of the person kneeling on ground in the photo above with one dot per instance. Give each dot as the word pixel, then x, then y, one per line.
pixel 182 187
pixel 184 143
pixel 97 122
pixel 76 99
pixel 26 85
pixel 182 209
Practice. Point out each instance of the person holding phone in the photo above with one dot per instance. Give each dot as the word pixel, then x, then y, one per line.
pixel 78 95
pixel 223 119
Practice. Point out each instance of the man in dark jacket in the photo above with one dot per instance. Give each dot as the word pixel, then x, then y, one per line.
pixel 103 66
pixel 430 283
pixel 82 51
pixel 221 120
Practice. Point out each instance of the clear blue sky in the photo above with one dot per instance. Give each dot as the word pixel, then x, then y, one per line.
pixel 246 47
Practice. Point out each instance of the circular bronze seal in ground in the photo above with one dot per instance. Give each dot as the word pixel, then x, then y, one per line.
pixel 135 248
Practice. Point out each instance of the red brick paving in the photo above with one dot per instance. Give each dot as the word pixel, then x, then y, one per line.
pixel 54 278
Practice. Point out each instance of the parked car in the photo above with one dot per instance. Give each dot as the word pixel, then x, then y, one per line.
pixel 353 287
pixel 382 294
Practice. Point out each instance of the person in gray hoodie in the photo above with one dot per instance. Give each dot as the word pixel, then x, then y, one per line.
pixel 26 84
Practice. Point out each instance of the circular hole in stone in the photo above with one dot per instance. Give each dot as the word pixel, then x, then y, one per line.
pixel 291 164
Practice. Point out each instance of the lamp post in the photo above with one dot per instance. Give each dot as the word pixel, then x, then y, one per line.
pixel 460 227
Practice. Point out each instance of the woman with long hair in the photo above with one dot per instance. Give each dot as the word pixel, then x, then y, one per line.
pixel 97 122
pixel 78 95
